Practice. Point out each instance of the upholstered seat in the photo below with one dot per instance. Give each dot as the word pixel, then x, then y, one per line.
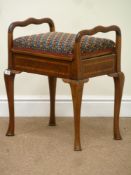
pixel 61 45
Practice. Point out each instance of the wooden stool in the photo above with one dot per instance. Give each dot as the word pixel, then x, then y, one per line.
pixel 74 58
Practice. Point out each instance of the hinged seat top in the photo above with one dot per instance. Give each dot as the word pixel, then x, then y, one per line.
pixel 58 44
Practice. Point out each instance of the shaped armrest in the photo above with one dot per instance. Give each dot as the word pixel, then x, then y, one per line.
pixel 103 30
pixel 32 21
pixel 24 24
pixel 97 30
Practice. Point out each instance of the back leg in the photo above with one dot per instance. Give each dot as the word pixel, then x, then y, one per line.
pixel 52 89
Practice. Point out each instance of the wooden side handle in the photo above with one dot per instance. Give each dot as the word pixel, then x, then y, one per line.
pixel 102 29
pixel 32 21
pixel 96 30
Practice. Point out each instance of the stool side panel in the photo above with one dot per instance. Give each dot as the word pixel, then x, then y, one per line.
pixel 44 66
pixel 98 66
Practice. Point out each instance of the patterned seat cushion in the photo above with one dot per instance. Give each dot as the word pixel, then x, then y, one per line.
pixel 61 45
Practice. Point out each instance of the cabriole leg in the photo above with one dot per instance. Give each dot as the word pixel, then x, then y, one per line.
pixel 119 83
pixel 9 83
pixel 77 90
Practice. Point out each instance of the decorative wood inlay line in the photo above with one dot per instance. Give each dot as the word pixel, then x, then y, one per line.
pixel 99 71
pixel 99 62
pixel 28 68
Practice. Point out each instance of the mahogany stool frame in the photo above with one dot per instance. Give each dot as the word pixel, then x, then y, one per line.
pixel 75 72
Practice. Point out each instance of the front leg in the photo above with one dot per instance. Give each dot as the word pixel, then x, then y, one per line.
pixel 9 83
pixel 119 83
pixel 77 91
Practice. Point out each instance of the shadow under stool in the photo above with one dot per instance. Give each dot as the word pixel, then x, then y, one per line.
pixel 73 57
